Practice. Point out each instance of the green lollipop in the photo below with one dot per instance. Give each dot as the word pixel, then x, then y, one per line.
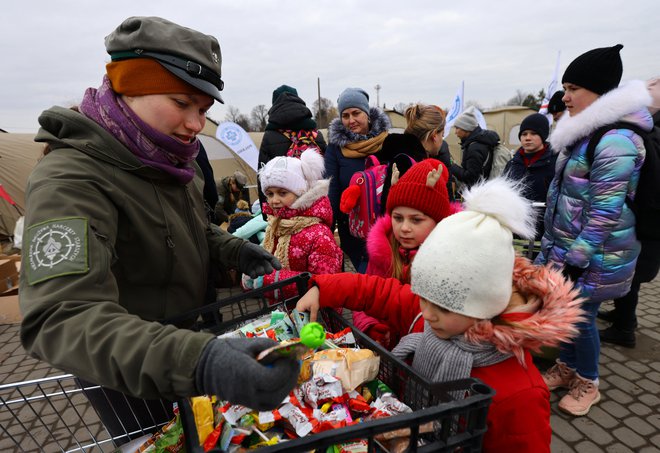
pixel 312 335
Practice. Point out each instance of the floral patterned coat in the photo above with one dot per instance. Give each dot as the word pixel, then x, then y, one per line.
pixel 312 249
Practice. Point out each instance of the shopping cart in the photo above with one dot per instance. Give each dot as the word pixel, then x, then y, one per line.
pixel 459 424
pixel 530 248
pixel 54 414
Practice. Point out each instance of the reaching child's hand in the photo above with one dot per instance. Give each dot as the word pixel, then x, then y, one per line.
pixel 380 333
pixel 310 302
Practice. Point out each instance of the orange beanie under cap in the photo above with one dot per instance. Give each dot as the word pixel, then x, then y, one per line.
pixel 142 76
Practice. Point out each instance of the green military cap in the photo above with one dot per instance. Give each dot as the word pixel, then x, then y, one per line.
pixel 188 54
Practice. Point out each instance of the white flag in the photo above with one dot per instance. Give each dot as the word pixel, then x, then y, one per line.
pixel 455 110
pixel 553 87
pixel 481 121
pixel 235 137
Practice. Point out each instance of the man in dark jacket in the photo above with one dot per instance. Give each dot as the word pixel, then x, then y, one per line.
pixel 477 147
pixel 534 162
pixel 290 127
pixel 230 190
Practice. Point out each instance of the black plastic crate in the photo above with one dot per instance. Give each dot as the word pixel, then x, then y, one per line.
pixel 459 424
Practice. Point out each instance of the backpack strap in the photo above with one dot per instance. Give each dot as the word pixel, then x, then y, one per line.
pixel 600 132
pixel 598 135
pixel 371 161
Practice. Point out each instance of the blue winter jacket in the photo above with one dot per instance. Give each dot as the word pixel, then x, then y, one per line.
pixel 587 222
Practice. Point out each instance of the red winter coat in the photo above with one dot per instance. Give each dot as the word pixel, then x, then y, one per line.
pixel 313 249
pixel 519 416
pixel 380 263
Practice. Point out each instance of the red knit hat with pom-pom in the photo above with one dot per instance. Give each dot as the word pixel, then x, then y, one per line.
pixel 412 190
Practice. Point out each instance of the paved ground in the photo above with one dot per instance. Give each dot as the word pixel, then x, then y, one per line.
pixel 626 420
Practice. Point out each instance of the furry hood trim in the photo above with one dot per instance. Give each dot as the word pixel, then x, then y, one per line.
pixel 378 247
pixel 621 104
pixel 313 203
pixel 554 321
pixel 339 135
pixel 318 190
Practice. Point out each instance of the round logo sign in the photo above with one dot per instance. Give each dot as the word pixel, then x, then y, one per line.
pixel 231 135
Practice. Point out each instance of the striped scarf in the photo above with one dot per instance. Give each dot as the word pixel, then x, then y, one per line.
pixel 442 360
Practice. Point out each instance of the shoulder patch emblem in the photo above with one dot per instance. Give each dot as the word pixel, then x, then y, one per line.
pixel 57 247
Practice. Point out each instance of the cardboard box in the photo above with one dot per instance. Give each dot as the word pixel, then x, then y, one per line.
pixel 8 274
pixel 9 311
pixel 14 257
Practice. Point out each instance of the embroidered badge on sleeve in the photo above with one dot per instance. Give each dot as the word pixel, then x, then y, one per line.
pixel 57 247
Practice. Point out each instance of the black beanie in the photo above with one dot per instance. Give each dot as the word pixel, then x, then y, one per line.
pixel 598 70
pixel 537 123
pixel 556 105
pixel 283 89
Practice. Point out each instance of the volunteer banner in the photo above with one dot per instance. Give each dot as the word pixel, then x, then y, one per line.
pixel 553 87
pixel 235 137
pixel 455 110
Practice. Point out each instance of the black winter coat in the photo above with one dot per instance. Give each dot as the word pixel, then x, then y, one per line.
pixel 288 112
pixel 476 161
pixel 537 177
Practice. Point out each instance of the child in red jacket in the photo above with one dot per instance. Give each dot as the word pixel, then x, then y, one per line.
pixel 299 220
pixel 417 201
pixel 476 322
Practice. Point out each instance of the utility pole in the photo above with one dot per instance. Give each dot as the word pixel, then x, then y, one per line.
pixel 318 86
pixel 377 88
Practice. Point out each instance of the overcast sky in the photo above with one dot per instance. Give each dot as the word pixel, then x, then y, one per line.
pixel 415 50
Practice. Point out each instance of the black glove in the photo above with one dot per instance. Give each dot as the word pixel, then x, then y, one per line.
pixel 255 261
pixel 228 369
pixel 571 272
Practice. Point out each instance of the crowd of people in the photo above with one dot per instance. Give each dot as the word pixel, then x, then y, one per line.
pixel 125 227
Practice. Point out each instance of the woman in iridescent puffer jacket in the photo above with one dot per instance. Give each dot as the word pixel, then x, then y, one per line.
pixel 589 228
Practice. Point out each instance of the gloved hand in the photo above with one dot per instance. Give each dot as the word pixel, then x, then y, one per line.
pixel 228 369
pixel 380 333
pixel 571 272
pixel 251 283
pixel 254 260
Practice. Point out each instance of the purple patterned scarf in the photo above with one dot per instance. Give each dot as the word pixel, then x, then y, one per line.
pixel 153 148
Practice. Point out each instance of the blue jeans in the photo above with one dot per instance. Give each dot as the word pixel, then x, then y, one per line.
pixel 583 353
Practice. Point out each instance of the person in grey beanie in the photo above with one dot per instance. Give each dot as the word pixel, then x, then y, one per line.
pixel 360 131
pixel 117 240
pixel 477 149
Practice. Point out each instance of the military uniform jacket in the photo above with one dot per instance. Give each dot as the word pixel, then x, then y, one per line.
pixel 110 246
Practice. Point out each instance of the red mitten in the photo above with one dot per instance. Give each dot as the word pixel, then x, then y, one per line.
pixel 380 333
pixel 349 198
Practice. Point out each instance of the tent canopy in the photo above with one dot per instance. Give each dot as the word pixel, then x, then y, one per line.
pixel 19 154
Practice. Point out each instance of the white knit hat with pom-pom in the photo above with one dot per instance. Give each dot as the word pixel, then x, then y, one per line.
pixel 292 174
pixel 466 264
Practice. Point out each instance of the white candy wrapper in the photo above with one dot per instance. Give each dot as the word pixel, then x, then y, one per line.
pixel 298 420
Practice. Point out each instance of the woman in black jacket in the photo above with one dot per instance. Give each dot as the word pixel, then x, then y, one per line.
pixel 290 129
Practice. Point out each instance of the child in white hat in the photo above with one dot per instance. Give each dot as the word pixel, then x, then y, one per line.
pixel 483 309
pixel 299 220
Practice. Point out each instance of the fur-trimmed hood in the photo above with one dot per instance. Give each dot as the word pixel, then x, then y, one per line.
pixel 626 103
pixel 339 135
pixel 313 203
pixel 554 321
pixel 378 247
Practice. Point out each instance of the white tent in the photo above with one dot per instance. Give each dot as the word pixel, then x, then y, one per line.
pixel 19 154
